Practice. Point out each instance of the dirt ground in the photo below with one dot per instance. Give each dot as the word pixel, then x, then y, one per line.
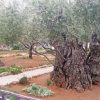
pixel 60 93
pixel 24 61
pixel 36 61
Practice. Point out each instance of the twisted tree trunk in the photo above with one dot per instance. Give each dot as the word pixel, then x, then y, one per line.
pixel 94 59
pixel 70 70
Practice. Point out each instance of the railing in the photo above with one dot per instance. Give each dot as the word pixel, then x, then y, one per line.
pixel 5 94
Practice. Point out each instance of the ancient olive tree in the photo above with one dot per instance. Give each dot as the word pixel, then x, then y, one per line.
pixel 66 29
pixel 64 25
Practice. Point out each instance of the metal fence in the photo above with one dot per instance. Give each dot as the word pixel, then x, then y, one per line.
pixel 5 95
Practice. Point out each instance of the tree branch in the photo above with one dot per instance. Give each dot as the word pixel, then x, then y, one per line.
pixel 43 55
pixel 25 45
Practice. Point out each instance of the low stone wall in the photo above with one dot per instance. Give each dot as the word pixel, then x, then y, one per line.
pixel 5 94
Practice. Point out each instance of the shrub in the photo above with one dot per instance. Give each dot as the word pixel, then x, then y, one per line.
pixel 49 82
pixel 15 69
pixel 16 48
pixel 38 90
pixel 2 70
pixel 11 98
pixel 23 80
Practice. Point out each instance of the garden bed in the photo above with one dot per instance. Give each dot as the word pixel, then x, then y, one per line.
pixel 59 93
pixel 23 61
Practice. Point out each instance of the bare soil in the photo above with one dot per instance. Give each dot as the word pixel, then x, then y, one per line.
pixel 60 93
pixel 24 61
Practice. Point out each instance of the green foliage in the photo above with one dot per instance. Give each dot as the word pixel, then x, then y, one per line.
pixel 38 90
pixel 76 18
pixel 16 47
pixel 46 20
pixel 49 82
pixel 11 98
pixel 13 69
pixel 3 70
pixel 11 24
pixel 23 80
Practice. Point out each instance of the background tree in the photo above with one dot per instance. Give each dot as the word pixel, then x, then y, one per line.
pixel 33 34
pixel 87 15
pixel 11 24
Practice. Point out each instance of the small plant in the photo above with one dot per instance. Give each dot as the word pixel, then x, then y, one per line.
pixel 11 98
pixel 15 69
pixel 38 90
pixel 49 82
pixel 23 80
pixel 2 70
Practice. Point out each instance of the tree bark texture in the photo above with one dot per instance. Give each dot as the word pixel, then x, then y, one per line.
pixel 94 59
pixel 30 52
pixel 70 69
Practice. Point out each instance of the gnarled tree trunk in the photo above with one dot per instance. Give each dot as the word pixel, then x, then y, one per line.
pixel 70 70
pixel 94 59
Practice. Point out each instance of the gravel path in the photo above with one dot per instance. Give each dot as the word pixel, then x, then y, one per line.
pixel 5 80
